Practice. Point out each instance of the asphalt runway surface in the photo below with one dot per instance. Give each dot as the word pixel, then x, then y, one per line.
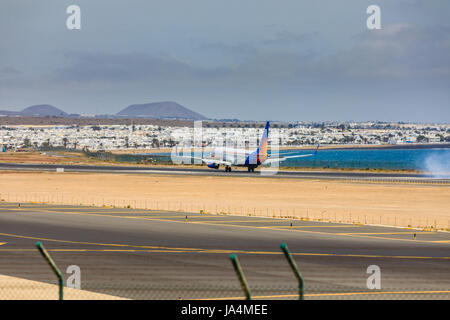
pixel 141 254
pixel 334 175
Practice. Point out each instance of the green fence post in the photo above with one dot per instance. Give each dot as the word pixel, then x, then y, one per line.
pixel 55 269
pixel 301 284
pixel 240 274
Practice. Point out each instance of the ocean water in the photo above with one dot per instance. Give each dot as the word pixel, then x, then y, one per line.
pixel 433 160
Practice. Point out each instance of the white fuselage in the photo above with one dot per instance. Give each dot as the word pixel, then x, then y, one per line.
pixel 237 157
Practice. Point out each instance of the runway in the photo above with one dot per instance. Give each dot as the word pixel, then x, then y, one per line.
pixel 327 175
pixel 141 254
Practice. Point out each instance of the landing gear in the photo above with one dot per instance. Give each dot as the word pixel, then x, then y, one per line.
pixel 251 169
pixel 227 169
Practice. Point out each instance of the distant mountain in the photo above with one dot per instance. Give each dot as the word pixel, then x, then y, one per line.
pixel 43 110
pixel 160 110
pixel 157 110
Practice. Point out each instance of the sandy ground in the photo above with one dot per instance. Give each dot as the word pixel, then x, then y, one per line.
pixel 12 288
pixel 372 203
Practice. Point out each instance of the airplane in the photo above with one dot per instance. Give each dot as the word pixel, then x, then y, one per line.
pixel 229 157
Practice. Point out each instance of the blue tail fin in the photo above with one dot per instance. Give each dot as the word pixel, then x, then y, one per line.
pixel 263 144
pixel 317 149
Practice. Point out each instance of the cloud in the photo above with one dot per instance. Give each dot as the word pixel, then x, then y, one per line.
pixel 287 38
pixel 401 68
pixel 399 50
pixel 400 55
pixel 238 49
pixel 9 70
pixel 110 67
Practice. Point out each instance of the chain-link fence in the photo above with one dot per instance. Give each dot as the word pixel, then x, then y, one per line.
pixel 118 274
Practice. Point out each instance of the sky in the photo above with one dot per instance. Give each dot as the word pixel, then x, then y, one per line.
pixel 287 60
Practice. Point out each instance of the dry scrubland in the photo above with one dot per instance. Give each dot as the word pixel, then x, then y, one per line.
pixel 42 158
pixel 390 204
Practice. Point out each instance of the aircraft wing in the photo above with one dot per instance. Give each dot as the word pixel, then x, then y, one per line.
pixel 272 160
pixel 206 160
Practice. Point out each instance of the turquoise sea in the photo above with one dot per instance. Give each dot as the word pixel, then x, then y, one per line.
pixel 397 159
